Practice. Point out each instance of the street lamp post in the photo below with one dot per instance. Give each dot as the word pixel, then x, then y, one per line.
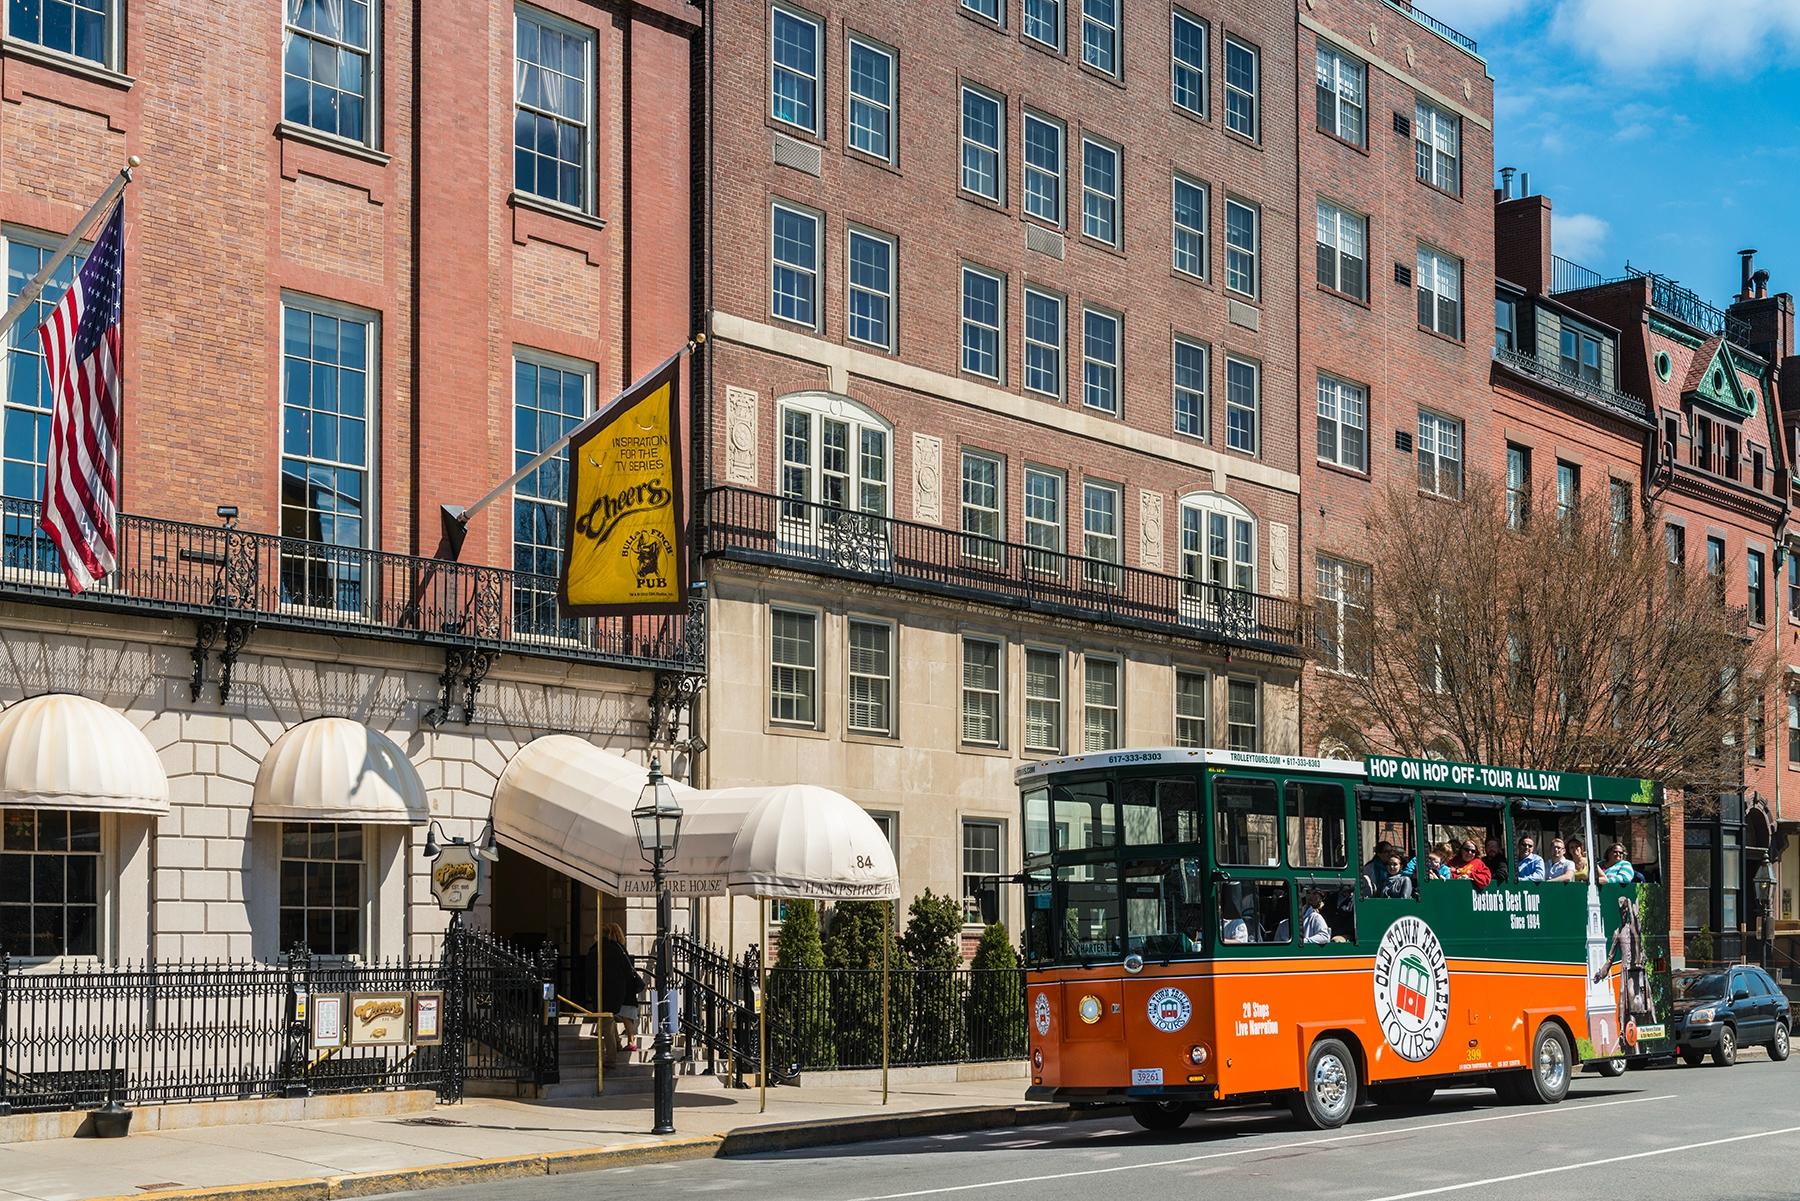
pixel 658 821
pixel 1765 893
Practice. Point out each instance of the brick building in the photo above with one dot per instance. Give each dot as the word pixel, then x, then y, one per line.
pixel 370 267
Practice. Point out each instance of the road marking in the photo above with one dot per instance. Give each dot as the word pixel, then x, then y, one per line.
pixel 1591 1163
pixel 1311 1142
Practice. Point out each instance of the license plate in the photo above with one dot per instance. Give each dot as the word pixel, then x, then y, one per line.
pixel 1146 1076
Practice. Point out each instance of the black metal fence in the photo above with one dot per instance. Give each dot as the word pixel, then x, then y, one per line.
pixel 831 1017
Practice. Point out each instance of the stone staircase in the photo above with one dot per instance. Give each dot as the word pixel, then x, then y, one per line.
pixel 628 1073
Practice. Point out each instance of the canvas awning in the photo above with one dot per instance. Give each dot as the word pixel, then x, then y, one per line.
pixel 68 752
pixel 332 769
pixel 803 841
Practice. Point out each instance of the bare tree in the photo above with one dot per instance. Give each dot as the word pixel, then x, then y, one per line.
pixel 1533 638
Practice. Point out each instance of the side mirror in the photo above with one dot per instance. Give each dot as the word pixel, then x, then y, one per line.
pixel 1740 993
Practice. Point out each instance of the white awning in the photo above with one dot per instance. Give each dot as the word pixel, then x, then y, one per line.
pixel 803 841
pixel 68 752
pixel 332 769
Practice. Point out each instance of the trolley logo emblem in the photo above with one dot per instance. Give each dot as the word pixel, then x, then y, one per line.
pixel 1170 1009
pixel 1412 989
pixel 1040 1014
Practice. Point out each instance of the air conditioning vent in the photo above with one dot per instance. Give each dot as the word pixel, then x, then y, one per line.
pixel 801 156
pixel 1403 125
pixel 1403 275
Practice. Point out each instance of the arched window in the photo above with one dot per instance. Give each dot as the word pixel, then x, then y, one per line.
pixel 834 453
pixel 1218 543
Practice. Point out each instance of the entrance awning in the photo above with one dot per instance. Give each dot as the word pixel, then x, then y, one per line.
pixel 332 769
pixel 68 752
pixel 803 841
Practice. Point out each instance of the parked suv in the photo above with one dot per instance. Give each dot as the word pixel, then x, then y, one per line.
pixel 1720 1010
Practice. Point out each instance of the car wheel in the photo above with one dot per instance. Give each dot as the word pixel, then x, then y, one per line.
pixel 1778 1046
pixel 1693 1058
pixel 1330 1095
pixel 1612 1069
pixel 1725 1054
pixel 1160 1116
pixel 1546 1081
pixel 1403 1095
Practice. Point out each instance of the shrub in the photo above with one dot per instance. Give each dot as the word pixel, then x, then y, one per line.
pixel 933 947
pixel 853 952
pixel 799 1007
pixel 996 1011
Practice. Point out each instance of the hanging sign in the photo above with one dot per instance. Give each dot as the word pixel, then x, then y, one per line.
pixel 456 878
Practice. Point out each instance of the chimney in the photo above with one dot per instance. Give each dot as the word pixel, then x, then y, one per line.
pixel 1768 319
pixel 1748 258
pixel 1524 183
pixel 1506 178
pixel 1522 242
pixel 1761 280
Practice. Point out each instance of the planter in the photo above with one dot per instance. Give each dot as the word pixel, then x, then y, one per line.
pixel 113 1121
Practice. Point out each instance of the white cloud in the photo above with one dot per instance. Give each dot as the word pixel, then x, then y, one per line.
pixel 1578 236
pixel 1634 36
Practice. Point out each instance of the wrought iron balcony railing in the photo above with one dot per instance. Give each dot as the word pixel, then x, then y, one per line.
pixel 757 527
pixel 1556 376
pixel 1436 26
pixel 175 567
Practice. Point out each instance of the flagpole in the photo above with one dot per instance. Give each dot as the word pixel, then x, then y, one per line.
pixel 29 294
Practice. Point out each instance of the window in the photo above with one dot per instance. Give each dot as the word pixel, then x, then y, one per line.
pixel 1317 834
pixel 1340 94
pixel 1100 35
pixel 983 295
pixel 983 117
pixel 983 864
pixel 871 99
pixel 984 8
pixel 1191 375
pixel 1756 733
pixel 49 883
pixel 1793 727
pixel 1437 135
pixel 871 290
pixel 1190 707
pixel 1043 520
pixel 26 402
pixel 1793 579
pixel 1190 205
pixel 1100 361
pixel 1100 191
pixel 981 692
pixel 321 887
pixel 550 398
pixel 1243 399
pixel 1674 546
pixel 1043 343
pixel 794 270
pixel 1340 611
pixel 1754 582
pixel 1187 62
pixel 1715 567
pixel 794 69
pixel 1043 700
pixel 1243 65
pixel 1343 251
pixel 982 506
pixel 1043 22
pixel 326 389
pixel 1343 423
pixel 1518 486
pixel 834 454
pixel 793 667
pixel 1506 323
pixel 328 62
pixel 553 117
pixel 871 690
pixel 1218 547
pixel 1243 716
pixel 1440 292
pixel 1100 709
pixel 1568 491
pixel 83 28
pixel 1243 241
pixel 1100 529
pixel 1440 455
pixel 1580 355
pixel 1043 168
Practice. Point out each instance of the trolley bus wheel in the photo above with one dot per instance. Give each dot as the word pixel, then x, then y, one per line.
pixel 1330 1095
pixel 1161 1116
pixel 1546 1081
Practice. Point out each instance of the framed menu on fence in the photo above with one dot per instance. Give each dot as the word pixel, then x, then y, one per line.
pixel 327 1021
pixel 428 1018
pixel 377 1019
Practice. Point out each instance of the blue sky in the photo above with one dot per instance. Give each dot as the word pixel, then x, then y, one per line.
pixel 1665 132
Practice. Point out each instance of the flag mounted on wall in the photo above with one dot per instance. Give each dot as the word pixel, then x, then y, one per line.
pixel 627 534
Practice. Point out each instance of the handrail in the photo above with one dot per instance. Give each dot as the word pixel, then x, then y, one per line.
pixel 1554 375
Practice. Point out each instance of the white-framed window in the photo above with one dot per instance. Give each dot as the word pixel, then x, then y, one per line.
pixel 1190 202
pixel 1342 83
pixel 1043 168
pixel 983 661
pixel 1340 607
pixel 1568 490
pixel 1043 342
pixel 1618 495
pixel 322 878
pixel 1043 22
pixel 1243 246
pixel 983 506
pixel 794 263
pixel 1243 405
pixel 1343 250
pixel 1100 348
pixel 983 142
pixel 1187 62
pixel 1243 715
pixel 1100 191
pixel 328 65
pixel 869 696
pixel 1437 136
pixel 1100 35
pixel 1191 376
pixel 793 667
pixel 870 292
pixel 1043 700
pixel 51 883
pixel 1579 354
pixel 1043 520
pixel 1440 292
pixel 26 401
pixel 983 864
pixel 794 68
pixel 328 390
pixel 1343 423
pixel 1218 544
pixel 1518 486
pixel 871 101
pixel 1243 81
pixel 1192 704
pixel 1440 455
pixel 989 9
pixel 1101 689
pixel 553 118
pixel 1102 540
pixel 983 321
pixel 834 453
pixel 551 396
pixel 1506 323
pixel 84 29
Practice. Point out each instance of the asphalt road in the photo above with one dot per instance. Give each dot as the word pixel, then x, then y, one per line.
pixel 1693 1134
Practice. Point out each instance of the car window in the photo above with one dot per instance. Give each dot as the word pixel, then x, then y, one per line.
pixel 1767 985
pixel 1707 987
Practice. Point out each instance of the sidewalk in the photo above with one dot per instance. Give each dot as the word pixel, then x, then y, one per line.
pixel 489 1139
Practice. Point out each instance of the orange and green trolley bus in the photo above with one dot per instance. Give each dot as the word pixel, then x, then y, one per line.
pixel 1204 927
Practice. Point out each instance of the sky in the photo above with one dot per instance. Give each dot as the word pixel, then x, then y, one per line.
pixel 1665 132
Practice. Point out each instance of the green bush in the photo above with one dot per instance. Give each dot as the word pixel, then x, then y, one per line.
pixel 933 947
pixel 853 952
pixel 799 1005
pixel 996 1008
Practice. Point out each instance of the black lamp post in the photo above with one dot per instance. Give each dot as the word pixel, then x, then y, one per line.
pixel 658 821
pixel 1765 892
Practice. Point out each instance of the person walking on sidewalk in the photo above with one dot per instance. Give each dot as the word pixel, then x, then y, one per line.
pixel 620 988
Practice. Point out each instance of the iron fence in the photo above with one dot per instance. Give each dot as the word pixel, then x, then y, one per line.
pixel 1557 376
pixel 831 1017
pixel 1436 26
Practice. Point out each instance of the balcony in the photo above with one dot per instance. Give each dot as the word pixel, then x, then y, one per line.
pixel 1462 40
pixel 174 568
pixel 1666 297
pixel 1553 375
pixel 754 527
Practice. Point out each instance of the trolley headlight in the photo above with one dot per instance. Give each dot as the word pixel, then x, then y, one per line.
pixel 1197 1055
pixel 1089 1009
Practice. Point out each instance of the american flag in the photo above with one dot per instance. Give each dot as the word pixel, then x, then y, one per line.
pixel 81 340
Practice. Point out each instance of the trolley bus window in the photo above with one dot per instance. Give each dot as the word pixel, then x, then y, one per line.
pixel 1040 924
pixel 1256 911
pixel 1452 821
pixel 1037 825
pixel 1090 904
pixel 1159 810
pixel 1633 828
pixel 1315 825
pixel 1247 829
pixel 1083 816
pixel 1338 909
pixel 1164 911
